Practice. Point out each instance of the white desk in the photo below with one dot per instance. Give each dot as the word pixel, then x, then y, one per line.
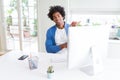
pixel 114 48
pixel 13 69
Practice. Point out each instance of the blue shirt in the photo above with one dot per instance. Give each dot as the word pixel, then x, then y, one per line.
pixel 50 43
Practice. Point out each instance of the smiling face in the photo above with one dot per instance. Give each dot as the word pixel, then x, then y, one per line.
pixel 58 19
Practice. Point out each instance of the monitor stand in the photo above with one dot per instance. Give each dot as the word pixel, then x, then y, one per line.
pixel 96 63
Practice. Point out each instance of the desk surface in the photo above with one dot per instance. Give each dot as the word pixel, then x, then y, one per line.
pixel 13 69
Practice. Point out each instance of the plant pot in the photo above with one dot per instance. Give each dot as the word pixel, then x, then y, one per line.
pixel 50 75
pixel 26 34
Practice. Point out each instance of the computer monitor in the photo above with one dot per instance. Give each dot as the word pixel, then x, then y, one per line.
pixel 87 46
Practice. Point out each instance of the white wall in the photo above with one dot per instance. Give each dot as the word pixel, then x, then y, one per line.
pixel 109 6
pixel 103 4
pixel 44 21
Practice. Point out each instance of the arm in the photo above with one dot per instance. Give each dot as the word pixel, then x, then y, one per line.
pixel 50 44
pixel 63 45
pixel 74 23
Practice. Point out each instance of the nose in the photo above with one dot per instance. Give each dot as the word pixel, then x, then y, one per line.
pixel 56 18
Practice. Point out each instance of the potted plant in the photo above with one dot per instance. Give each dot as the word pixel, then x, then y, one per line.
pixel 50 72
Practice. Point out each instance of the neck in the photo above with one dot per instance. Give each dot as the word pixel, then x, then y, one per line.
pixel 61 26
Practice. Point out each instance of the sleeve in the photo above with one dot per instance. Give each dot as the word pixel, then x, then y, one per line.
pixel 50 45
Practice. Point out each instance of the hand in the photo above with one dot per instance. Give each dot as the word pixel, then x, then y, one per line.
pixel 63 45
pixel 74 23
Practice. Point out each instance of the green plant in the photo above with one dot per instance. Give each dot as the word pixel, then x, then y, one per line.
pixel 24 10
pixel 10 10
pixel 35 28
pixel 50 69
pixel 9 20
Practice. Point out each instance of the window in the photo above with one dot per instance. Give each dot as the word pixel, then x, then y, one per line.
pixel 21 24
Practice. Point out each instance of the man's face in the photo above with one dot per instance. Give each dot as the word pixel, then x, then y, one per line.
pixel 57 18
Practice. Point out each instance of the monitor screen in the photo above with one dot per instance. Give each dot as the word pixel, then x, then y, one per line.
pixel 87 45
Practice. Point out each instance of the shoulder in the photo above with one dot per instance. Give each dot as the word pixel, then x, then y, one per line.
pixel 51 29
pixel 67 25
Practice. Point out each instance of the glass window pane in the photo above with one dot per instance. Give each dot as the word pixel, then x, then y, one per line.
pixel 29 37
pixel 32 12
pixel 31 2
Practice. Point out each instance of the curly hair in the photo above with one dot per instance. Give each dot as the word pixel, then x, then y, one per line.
pixel 54 9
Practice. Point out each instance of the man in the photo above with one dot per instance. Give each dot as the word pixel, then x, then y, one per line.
pixel 56 37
